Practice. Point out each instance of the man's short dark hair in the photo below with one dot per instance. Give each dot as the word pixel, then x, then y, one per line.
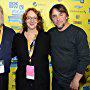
pixel 60 8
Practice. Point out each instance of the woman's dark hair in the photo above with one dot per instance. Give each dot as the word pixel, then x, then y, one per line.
pixel 60 8
pixel 40 23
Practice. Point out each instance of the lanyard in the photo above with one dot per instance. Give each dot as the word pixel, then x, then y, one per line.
pixel 31 49
pixel 0 37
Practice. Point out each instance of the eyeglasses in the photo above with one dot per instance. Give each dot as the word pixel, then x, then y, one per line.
pixel 32 18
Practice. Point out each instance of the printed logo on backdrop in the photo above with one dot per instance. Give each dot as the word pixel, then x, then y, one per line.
pixel 35 4
pixel 14 62
pixel 78 11
pixel 81 1
pixel 89 9
pixel 88 21
pixel 17 10
pixel 38 4
pixel 59 0
pixel 78 6
pixel 77 22
pixel 16 27
pixel 76 0
pixel 77 16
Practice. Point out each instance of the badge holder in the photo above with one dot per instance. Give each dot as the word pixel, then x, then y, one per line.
pixel 30 69
pixel 30 72
pixel 1 66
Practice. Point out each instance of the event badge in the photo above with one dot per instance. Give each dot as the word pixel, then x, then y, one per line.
pixel 1 66
pixel 30 72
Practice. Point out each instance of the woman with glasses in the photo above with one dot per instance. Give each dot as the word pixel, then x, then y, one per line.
pixel 32 48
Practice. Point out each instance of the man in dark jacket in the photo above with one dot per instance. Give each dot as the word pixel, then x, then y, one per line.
pixel 6 38
pixel 69 50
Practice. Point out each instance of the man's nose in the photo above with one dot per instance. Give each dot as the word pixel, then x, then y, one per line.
pixel 58 18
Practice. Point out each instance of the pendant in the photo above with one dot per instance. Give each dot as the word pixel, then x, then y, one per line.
pixel 30 60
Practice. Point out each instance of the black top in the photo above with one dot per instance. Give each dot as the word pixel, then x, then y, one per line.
pixel 69 52
pixel 39 60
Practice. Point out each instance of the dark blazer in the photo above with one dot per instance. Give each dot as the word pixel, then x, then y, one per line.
pixel 39 60
pixel 6 45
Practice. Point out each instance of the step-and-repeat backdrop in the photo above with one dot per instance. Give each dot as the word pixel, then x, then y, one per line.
pixel 79 14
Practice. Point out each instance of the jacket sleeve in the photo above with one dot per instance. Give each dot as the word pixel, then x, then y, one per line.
pixel 82 51
pixel 14 44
